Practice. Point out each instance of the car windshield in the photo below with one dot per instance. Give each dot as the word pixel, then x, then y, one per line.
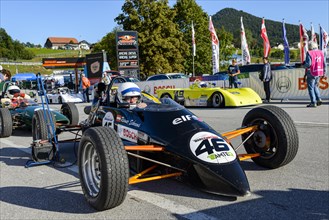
pixel 177 76
pixel 165 105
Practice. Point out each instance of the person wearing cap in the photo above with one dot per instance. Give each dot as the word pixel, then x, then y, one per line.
pixel 315 69
pixel 233 70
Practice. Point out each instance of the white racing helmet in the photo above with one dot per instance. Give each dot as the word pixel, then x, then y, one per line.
pixel 12 90
pixel 128 89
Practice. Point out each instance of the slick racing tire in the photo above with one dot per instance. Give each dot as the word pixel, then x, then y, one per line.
pixel 40 132
pixel 276 138
pixel 39 126
pixel 6 123
pixel 103 168
pixel 70 110
pixel 216 100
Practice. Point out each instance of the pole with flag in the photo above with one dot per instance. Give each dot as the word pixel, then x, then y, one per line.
pixel 215 47
pixel 193 46
pixel 285 44
pixel 313 35
pixel 266 42
pixel 303 42
pixel 324 40
pixel 244 46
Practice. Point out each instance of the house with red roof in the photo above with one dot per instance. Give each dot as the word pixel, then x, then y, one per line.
pixel 61 43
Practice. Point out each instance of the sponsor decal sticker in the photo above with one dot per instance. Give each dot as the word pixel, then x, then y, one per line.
pixel 128 133
pixel 143 137
pixel 118 118
pixel 211 148
pixel 108 120
pixel 283 84
pixel 185 118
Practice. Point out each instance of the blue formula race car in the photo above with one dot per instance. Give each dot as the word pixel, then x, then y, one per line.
pixel 122 146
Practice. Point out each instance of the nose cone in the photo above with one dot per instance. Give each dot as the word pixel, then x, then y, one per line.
pixel 228 179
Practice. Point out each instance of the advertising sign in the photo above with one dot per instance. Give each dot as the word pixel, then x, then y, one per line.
pixel 127 53
pixel 94 65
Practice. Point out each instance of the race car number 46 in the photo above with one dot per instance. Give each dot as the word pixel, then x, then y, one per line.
pixel 211 148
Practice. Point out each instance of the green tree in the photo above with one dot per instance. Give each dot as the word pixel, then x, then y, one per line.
pixel 13 50
pixel 161 44
pixel 188 11
pixel 108 44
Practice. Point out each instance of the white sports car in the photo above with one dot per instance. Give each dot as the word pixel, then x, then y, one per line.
pixel 63 95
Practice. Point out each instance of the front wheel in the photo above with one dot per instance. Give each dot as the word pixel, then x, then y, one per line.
pixel 276 138
pixel 103 168
pixel 39 125
pixel 216 100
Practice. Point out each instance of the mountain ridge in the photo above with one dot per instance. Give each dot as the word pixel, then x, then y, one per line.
pixel 229 18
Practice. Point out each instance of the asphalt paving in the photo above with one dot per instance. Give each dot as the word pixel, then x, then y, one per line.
pixel 299 190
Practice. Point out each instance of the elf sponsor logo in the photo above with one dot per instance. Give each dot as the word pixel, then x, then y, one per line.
pixel 128 133
pixel 211 148
pixel 184 118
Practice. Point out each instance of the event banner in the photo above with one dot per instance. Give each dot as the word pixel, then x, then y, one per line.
pixel 127 53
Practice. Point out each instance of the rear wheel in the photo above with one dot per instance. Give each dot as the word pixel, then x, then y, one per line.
pixel 103 168
pixel 6 123
pixel 276 138
pixel 70 110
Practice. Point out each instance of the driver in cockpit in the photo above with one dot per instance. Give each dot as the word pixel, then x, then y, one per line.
pixel 129 92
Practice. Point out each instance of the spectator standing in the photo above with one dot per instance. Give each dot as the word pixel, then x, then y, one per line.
pixel 315 69
pixel 233 71
pixel 266 77
pixel 85 88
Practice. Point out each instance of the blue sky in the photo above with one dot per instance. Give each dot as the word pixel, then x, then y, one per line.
pixel 35 21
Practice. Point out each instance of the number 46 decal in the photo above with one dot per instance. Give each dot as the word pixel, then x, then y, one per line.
pixel 209 145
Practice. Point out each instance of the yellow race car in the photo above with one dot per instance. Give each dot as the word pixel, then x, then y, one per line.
pixel 201 94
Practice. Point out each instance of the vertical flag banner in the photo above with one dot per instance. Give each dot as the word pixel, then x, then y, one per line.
pixel 313 34
pixel 303 42
pixel 215 47
pixel 193 41
pixel 324 40
pixel 244 46
pixel 285 44
pixel 266 42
